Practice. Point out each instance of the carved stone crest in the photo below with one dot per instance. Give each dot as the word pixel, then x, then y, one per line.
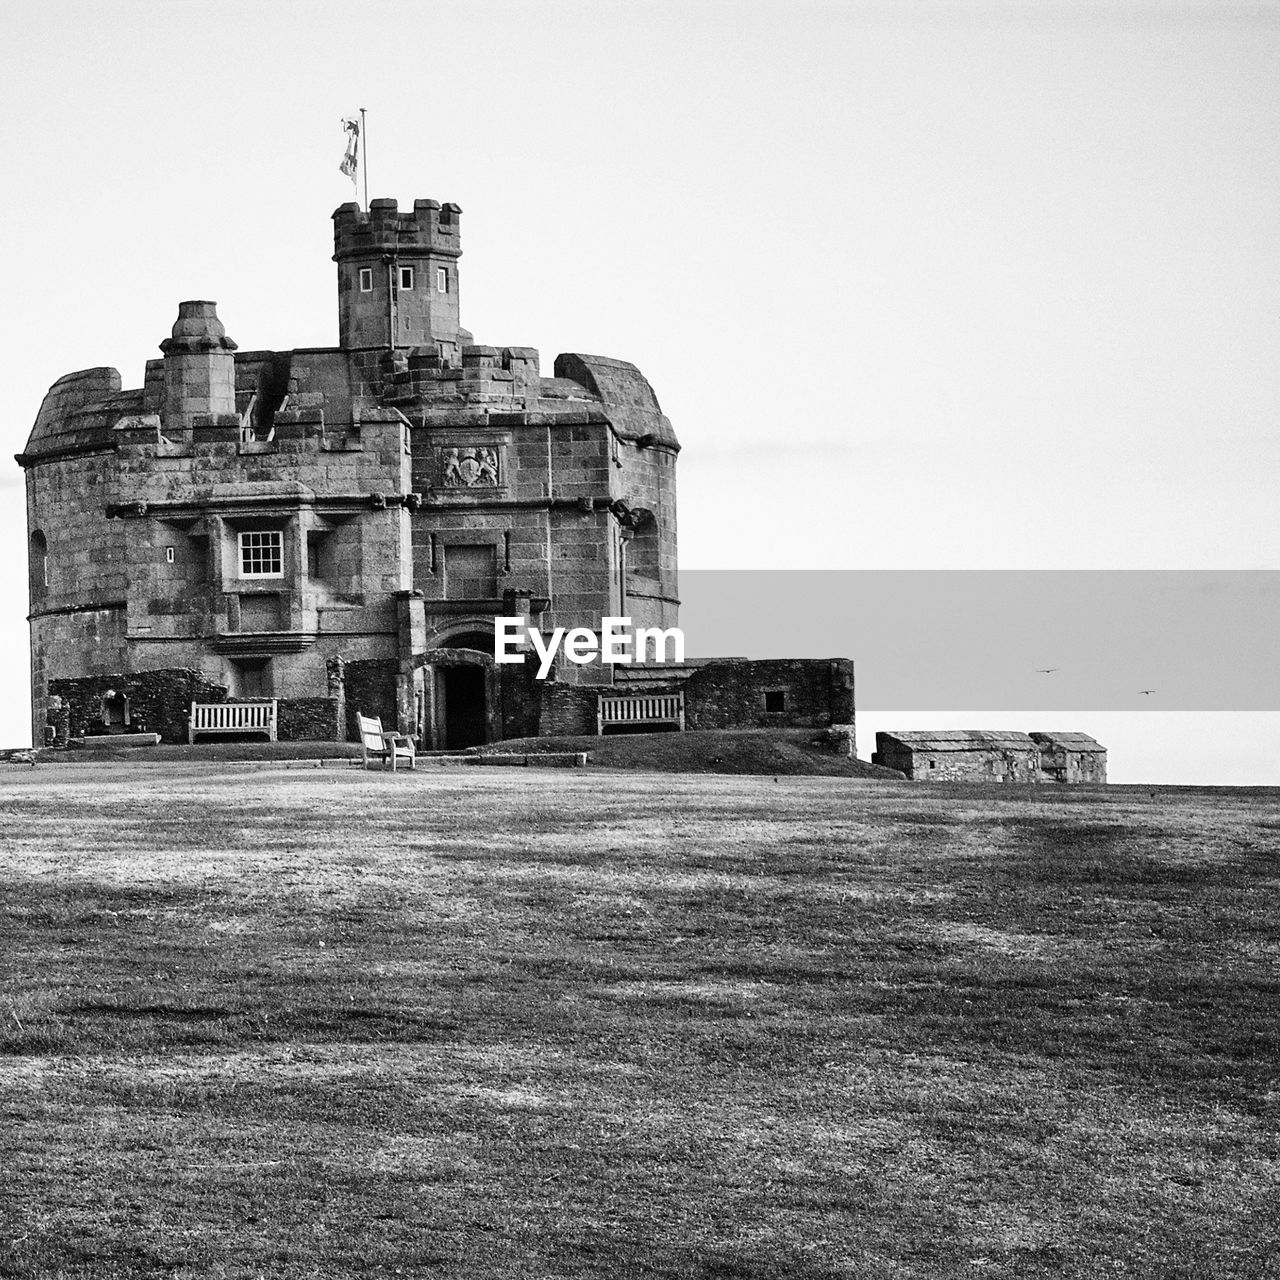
pixel 473 467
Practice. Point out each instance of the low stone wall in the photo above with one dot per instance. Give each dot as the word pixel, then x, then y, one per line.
pixel 308 720
pixel 521 697
pixel 567 709
pixel 159 701
pixel 734 694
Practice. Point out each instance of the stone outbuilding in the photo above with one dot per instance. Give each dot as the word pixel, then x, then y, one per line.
pixel 991 755
pixel 960 755
pixel 1071 757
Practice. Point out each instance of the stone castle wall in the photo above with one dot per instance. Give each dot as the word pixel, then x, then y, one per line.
pixel 369 688
pixel 794 693
pixel 160 700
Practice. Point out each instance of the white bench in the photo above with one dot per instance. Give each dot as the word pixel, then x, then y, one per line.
pixel 233 717
pixel 382 746
pixel 639 710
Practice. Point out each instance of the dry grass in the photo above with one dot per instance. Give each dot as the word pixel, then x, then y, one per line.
pixel 780 752
pixel 257 1022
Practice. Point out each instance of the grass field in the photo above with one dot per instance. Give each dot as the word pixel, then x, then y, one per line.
pixel 773 751
pixel 472 1023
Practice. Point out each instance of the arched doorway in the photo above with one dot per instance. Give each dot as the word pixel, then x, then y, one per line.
pixel 459 690
pixel 115 711
pixel 462 691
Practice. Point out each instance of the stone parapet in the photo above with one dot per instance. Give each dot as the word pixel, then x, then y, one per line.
pixel 382 228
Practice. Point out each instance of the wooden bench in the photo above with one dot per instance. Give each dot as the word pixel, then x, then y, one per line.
pixel 383 746
pixel 639 710
pixel 212 718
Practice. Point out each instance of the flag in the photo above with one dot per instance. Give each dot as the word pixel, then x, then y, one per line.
pixel 351 159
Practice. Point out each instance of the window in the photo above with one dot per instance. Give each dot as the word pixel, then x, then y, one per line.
pixel 406 277
pixel 442 280
pixel 39 565
pixel 775 700
pixel 262 554
pixel 366 279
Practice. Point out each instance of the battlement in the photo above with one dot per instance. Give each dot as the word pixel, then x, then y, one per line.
pixel 432 227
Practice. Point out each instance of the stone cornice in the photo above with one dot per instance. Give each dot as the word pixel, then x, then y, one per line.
pixel 265 642
pixel 101 607
pixel 251 504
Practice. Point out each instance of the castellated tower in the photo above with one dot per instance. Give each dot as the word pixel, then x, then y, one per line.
pixel 397 274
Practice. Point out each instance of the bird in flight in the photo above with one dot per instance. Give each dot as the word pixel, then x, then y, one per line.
pixel 1047 671
pixel 1146 691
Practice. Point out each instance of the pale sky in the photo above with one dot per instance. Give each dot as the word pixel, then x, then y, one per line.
pixel 955 285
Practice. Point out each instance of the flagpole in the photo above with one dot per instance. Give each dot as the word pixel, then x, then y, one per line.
pixel 364 167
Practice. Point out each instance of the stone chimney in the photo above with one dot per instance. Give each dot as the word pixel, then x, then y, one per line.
pixel 199 369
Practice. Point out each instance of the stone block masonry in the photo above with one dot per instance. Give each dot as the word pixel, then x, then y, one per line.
pixel 369 688
pixel 770 693
pixel 308 720
pixel 567 710
pixel 58 727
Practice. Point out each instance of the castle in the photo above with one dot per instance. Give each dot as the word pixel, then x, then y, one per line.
pixel 338 528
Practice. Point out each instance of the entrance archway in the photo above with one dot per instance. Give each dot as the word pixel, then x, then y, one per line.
pixel 457 683
pixel 465 714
